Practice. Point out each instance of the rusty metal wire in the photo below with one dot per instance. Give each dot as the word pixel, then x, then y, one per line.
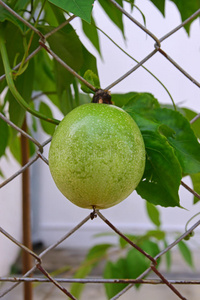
pixel 39 155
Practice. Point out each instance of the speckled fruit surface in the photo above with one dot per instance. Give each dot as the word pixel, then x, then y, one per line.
pixel 97 155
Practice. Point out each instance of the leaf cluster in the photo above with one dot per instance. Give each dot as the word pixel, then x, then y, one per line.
pixel 84 8
pixel 172 147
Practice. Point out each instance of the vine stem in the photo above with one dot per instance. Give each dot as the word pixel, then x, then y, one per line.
pixel 12 87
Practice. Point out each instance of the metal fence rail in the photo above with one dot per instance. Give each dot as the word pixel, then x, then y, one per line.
pixel 39 155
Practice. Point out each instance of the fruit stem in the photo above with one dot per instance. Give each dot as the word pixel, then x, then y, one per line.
pixel 102 96
pixel 93 214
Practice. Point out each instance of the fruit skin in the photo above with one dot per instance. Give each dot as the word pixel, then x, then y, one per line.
pixel 97 155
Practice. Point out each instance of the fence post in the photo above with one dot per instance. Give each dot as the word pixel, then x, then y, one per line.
pixel 26 211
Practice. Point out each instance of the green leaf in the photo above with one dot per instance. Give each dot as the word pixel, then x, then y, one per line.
pixel 137 263
pixel 153 214
pixel 65 44
pixel 142 103
pixel 117 270
pixel 123 242
pixel 89 62
pixel 14 145
pixel 77 288
pixel 92 33
pixel 175 126
pixel 71 51
pixel 186 253
pixel 196 185
pixel 167 256
pixel 2 87
pixel 44 80
pixel 12 39
pixel 160 4
pixel 92 78
pixel 80 8
pixel 6 15
pixel 4 135
pixel 98 251
pixel 84 98
pixel 131 3
pixel 170 145
pixel 16 112
pixel 131 266
pixel 122 99
pixel 162 175
pixel 151 248
pixel 66 101
pixel 184 141
pixel 94 256
pixel 116 15
pixel 21 4
pixel 19 40
pixel 186 9
pixel 53 15
pixel 189 114
pixel 2 174
pixel 49 128
pixel 157 234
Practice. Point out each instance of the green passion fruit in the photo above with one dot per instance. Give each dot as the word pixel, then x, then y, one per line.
pixel 97 155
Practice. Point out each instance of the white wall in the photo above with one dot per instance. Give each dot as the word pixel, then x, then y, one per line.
pixel 10 214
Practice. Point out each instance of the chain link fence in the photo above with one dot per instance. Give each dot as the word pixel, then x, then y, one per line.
pixel 59 282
